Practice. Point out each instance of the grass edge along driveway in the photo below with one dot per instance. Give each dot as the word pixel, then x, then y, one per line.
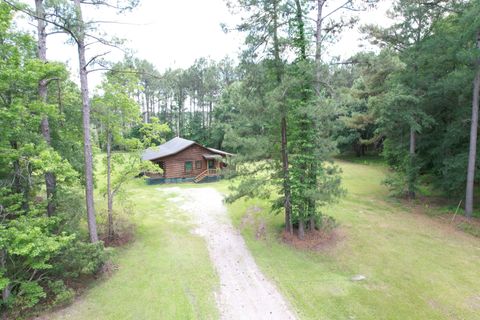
pixel 165 274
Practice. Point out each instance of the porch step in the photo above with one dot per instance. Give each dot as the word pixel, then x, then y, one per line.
pixel 206 173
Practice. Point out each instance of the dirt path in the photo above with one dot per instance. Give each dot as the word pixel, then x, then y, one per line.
pixel 244 292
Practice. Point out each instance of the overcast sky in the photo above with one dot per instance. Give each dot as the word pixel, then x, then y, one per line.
pixel 174 33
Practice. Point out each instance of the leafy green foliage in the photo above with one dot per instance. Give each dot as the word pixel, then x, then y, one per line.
pixel 153 133
pixel 32 243
pixel 62 294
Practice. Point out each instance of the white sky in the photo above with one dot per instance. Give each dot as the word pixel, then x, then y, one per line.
pixel 173 33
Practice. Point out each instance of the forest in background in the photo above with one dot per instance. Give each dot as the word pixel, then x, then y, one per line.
pixel 283 106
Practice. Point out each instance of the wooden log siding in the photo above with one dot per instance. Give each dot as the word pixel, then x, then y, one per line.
pixel 175 164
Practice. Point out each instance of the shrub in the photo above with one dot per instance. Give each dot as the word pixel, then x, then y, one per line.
pixel 79 259
pixel 61 293
pixel 37 253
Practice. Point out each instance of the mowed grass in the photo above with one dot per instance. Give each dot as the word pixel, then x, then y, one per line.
pixel 165 274
pixel 416 267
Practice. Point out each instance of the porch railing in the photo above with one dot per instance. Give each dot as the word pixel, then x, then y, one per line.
pixel 206 173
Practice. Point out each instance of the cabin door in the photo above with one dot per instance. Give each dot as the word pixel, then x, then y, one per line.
pixel 211 164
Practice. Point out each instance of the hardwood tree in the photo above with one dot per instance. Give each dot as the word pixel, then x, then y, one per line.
pixel 115 110
pixel 65 16
pixel 473 138
pixel 34 246
pixel 50 181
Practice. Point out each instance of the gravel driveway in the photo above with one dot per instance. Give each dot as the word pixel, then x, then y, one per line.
pixel 244 292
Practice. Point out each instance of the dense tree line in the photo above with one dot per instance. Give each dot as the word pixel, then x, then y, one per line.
pixel 42 242
pixel 416 96
pixel 281 114
pixel 185 99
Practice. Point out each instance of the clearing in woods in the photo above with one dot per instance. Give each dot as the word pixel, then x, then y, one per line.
pixel 415 266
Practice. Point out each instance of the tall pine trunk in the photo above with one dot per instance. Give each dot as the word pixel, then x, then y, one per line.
pixel 283 125
pixel 50 179
pixel 318 46
pixel 412 163
pixel 110 230
pixel 147 106
pixel 301 229
pixel 312 206
pixel 307 164
pixel 87 144
pixel 472 154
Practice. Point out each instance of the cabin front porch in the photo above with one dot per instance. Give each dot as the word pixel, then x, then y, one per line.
pixel 211 171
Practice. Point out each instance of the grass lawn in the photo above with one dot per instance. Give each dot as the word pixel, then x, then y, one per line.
pixel 416 267
pixel 165 274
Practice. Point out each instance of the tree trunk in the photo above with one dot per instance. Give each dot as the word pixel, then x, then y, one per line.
pixel 312 224
pixel 472 154
pixel 301 229
pixel 147 107
pixel 286 178
pixel 87 146
pixel 412 174
pixel 6 290
pixel 318 45
pixel 210 111
pixel 318 87
pixel 283 124
pixel 50 179
pixel 310 164
pixel 178 120
pixel 110 232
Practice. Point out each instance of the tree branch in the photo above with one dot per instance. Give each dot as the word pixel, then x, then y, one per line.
pixel 33 15
pixel 96 57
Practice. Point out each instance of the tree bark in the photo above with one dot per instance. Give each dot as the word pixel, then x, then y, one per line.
pixel 110 232
pixel 87 146
pixel 318 46
pixel 472 154
pixel 283 124
pixel 210 111
pixel 50 179
pixel 411 182
pixel 310 166
pixel 312 206
pixel 147 106
pixel 312 224
pixel 286 178
pixel 301 229
pixel 6 290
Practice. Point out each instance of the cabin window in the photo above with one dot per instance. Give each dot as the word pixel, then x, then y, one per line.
pixel 198 164
pixel 188 166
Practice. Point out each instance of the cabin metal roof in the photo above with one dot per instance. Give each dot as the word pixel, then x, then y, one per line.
pixel 172 147
pixel 220 152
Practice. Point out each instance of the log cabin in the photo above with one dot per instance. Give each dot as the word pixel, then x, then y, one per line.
pixel 184 160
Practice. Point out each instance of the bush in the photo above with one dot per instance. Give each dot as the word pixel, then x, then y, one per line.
pixel 37 253
pixel 61 293
pixel 80 259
